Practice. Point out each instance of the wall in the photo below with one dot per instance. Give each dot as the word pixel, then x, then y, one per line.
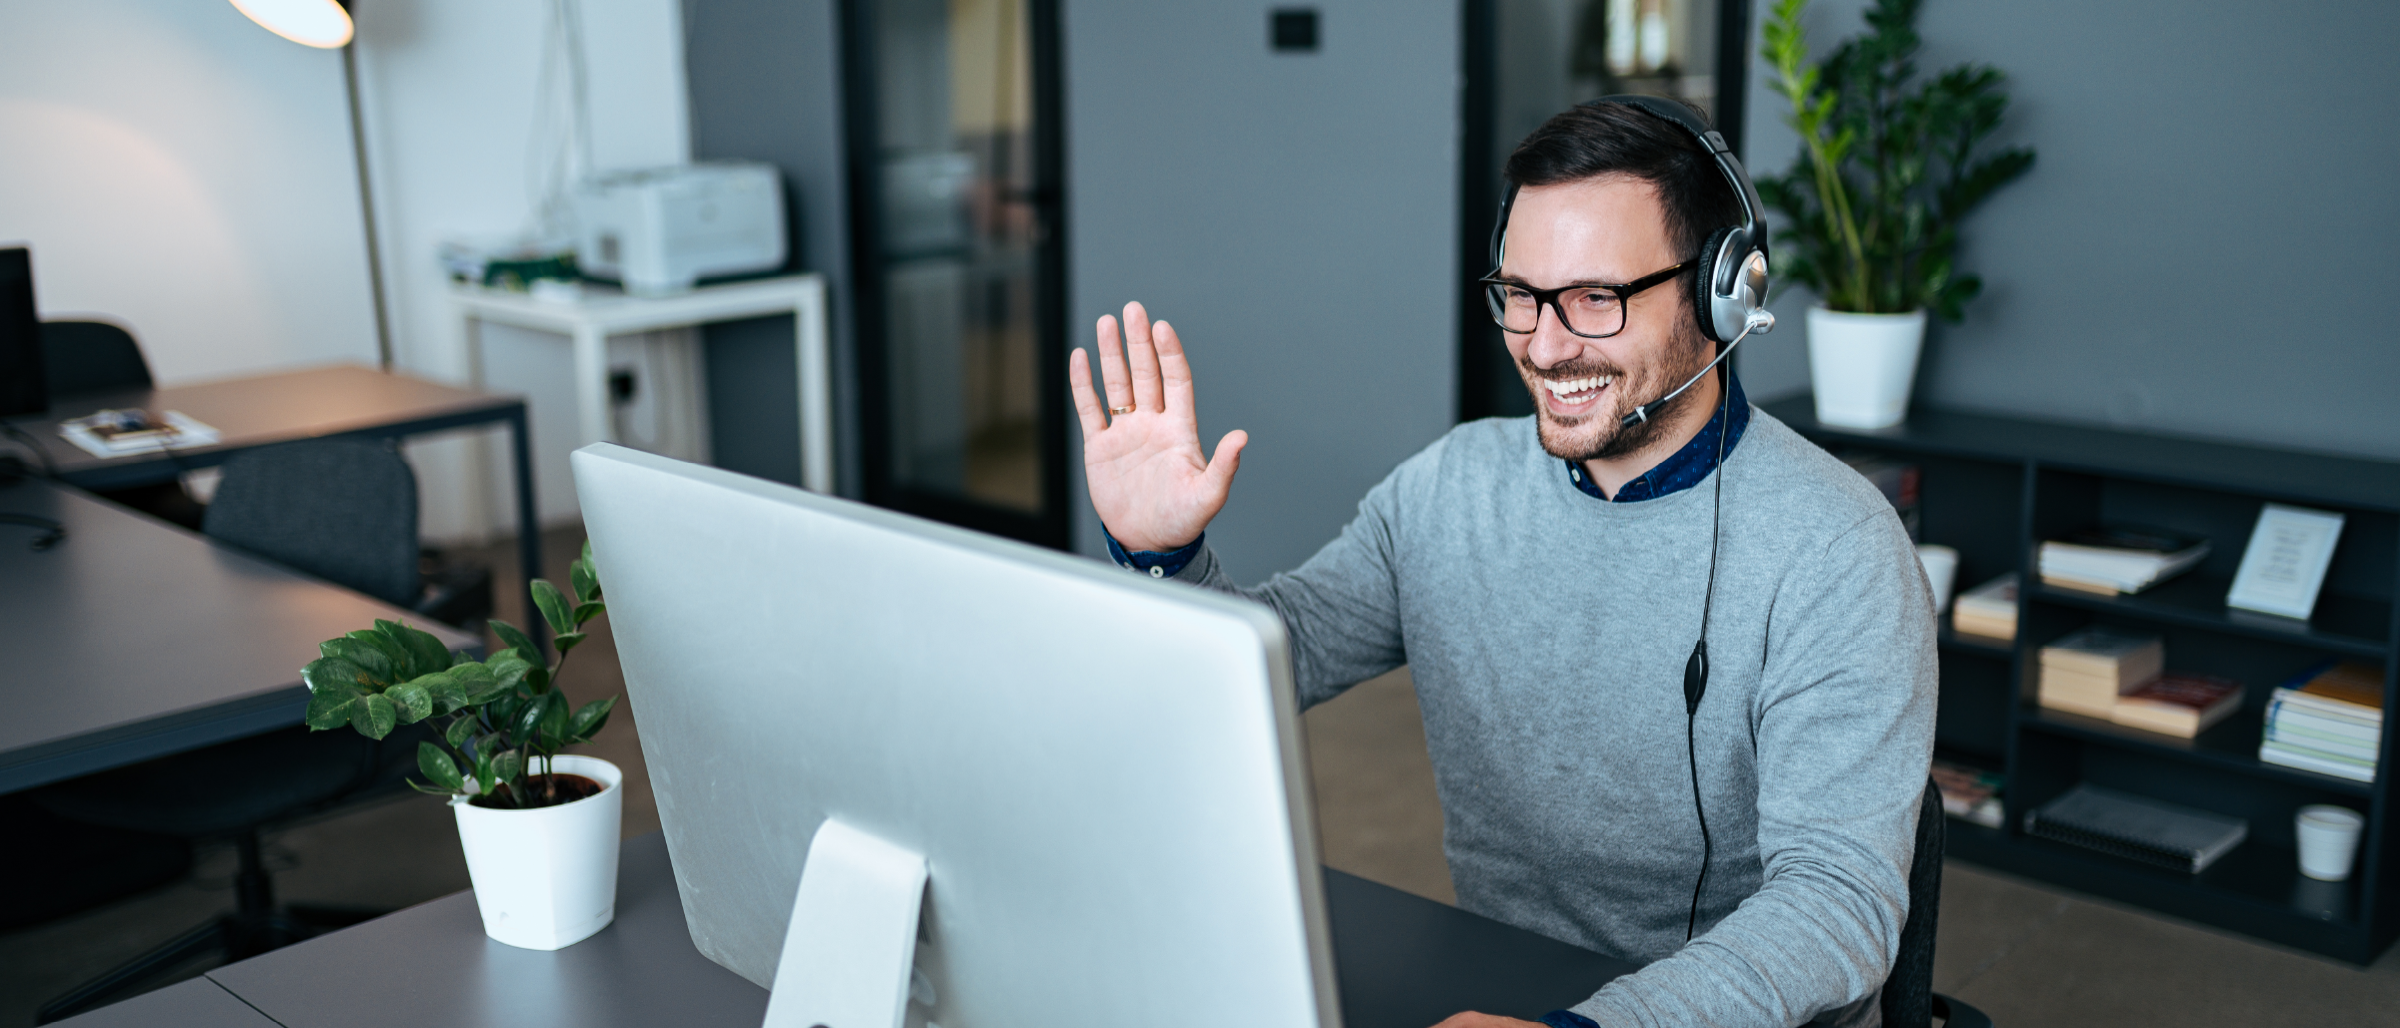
pixel 182 171
pixel 2196 250
pixel 448 87
pixel 1294 215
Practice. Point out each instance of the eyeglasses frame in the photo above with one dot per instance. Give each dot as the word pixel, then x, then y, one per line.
pixel 1625 292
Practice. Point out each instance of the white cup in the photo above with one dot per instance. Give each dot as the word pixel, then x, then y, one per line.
pixel 2328 839
pixel 1941 569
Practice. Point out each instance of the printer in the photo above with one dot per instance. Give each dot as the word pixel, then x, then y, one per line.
pixel 659 230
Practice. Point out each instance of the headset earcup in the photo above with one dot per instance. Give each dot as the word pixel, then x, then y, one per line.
pixel 1704 277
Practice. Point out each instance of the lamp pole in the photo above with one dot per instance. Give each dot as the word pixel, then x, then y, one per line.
pixel 366 208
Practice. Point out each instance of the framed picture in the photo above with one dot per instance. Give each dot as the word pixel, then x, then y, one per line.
pixel 2285 564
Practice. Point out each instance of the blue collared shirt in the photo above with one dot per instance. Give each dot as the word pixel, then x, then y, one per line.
pixel 1682 470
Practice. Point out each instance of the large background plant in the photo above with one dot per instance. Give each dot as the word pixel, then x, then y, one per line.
pixel 500 718
pixel 1886 171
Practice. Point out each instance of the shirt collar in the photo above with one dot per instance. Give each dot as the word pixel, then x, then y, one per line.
pixel 1686 467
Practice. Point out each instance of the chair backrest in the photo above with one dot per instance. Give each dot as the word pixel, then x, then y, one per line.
pixel 344 510
pixel 1908 993
pixel 91 357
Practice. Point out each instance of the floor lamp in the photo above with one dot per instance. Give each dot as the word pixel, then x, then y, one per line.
pixel 326 25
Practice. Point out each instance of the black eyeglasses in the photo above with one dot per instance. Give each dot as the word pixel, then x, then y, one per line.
pixel 1593 312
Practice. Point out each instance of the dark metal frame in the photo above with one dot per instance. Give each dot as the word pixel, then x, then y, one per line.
pixel 1052 527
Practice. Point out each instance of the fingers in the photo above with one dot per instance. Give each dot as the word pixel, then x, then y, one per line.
pixel 1174 371
pixel 1112 362
pixel 1225 461
pixel 1141 351
pixel 1087 406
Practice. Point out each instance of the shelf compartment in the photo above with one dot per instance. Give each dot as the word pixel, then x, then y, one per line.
pixel 2231 744
pixel 1953 641
pixel 2343 624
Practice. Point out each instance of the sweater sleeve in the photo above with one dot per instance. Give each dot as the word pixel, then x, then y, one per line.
pixel 1341 608
pixel 1843 729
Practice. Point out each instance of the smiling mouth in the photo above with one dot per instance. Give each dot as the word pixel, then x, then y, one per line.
pixel 1575 392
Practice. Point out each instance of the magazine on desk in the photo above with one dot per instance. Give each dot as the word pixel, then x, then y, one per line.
pixel 119 433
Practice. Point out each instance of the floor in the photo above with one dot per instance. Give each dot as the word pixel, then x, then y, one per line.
pixel 2026 954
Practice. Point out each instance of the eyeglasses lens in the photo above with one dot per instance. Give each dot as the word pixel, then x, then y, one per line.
pixel 1588 312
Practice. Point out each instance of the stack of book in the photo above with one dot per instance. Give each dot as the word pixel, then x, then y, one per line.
pixel 2329 720
pixel 1898 483
pixel 2085 671
pixel 2178 704
pixel 1969 794
pixel 1988 610
pixel 2119 559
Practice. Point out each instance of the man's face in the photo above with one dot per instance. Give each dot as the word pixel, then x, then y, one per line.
pixel 1603 230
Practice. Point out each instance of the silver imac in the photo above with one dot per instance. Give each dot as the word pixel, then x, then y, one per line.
pixel 1097 779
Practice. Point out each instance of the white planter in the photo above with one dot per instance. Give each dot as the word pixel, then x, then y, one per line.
pixel 1863 365
pixel 546 878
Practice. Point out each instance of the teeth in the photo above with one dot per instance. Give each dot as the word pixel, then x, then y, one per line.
pixel 1567 388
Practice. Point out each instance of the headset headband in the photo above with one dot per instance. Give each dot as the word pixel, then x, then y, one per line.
pixel 1683 117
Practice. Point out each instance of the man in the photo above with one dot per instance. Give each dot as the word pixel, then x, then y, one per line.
pixel 1544 579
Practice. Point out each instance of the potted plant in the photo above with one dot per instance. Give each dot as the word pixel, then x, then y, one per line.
pixel 1871 205
pixel 539 827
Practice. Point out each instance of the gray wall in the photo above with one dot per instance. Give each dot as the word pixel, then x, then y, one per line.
pixel 2201 248
pixel 765 84
pixel 1294 217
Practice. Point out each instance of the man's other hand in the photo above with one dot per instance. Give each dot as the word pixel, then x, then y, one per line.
pixel 1153 488
pixel 1471 1019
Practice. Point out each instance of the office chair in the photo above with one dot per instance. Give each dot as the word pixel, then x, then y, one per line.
pixel 1908 997
pixel 344 510
pixel 80 357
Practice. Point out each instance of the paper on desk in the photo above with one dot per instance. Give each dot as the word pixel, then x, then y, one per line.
pixel 188 432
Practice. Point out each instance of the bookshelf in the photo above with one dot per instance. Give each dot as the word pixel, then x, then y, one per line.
pixel 1994 487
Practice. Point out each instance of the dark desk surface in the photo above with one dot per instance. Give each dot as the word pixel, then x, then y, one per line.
pixel 1402 961
pixel 134 638
pixel 262 409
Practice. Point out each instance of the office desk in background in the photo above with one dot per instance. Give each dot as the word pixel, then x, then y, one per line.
pixel 262 410
pixel 1400 962
pixel 134 638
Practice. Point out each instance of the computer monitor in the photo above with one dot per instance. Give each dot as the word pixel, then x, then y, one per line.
pixel 1102 773
pixel 23 387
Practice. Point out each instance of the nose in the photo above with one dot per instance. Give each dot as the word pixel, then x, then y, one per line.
pixel 1551 344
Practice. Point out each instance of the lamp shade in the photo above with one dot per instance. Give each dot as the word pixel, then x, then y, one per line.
pixel 318 23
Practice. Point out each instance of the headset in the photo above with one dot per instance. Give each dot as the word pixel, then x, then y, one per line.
pixel 1729 298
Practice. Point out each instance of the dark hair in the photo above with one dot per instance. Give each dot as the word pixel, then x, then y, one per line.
pixel 1590 140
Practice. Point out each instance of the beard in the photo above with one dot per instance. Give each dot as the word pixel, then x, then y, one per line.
pixel 1598 435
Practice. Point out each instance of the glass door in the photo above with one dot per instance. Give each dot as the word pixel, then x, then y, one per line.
pixel 957 249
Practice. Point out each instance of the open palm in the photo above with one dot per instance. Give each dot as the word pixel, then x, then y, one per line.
pixel 1152 486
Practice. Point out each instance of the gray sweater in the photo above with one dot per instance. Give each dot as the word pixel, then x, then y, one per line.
pixel 1547 632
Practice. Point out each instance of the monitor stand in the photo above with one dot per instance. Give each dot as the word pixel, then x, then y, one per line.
pixel 852 944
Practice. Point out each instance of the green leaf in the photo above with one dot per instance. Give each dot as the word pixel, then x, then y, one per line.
pixel 374 664
pixel 525 723
pixel 438 766
pixel 554 718
pixel 329 707
pixel 410 701
pixel 587 584
pixel 476 683
pixel 537 678
pixel 426 654
pixel 507 766
pixel 336 673
pixel 554 606
pixel 589 718
pixel 567 642
pixel 513 638
pixel 447 692
pixel 587 611
pixel 459 732
pixel 374 716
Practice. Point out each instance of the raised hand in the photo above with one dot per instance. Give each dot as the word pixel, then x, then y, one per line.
pixel 1149 481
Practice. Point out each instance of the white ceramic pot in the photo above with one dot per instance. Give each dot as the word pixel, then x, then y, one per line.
pixel 546 878
pixel 1863 365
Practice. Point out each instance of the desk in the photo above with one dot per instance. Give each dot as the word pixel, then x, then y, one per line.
pixel 589 322
pixel 1401 961
pixel 133 639
pixel 266 409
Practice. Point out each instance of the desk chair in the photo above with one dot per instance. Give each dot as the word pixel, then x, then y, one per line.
pixel 99 357
pixel 1908 997
pixel 344 510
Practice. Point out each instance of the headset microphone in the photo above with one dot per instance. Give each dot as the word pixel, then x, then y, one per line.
pixel 1758 321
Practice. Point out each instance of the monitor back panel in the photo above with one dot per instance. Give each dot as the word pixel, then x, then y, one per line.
pixel 1104 772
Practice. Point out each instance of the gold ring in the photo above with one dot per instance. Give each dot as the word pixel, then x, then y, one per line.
pixel 1127 409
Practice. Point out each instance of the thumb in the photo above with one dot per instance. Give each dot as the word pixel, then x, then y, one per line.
pixel 1227 459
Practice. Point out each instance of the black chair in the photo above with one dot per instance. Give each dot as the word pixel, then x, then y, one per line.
pixel 1908 997
pixel 341 509
pixel 80 357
